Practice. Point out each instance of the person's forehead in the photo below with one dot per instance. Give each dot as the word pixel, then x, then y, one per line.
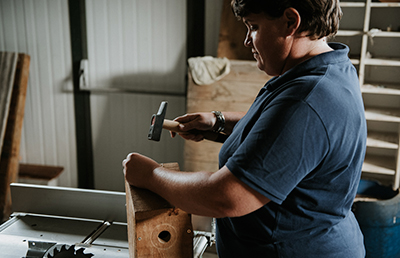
pixel 252 17
pixel 255 17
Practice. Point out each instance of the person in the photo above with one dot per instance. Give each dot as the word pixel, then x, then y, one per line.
pixel 291 165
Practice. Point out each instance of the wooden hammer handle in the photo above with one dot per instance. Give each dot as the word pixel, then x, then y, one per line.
pixel 172 126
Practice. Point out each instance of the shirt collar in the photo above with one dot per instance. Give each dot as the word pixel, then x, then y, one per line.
pixel 340 54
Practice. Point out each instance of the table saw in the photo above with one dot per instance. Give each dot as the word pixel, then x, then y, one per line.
pixel 57 222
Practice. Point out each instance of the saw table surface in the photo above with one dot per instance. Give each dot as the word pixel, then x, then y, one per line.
pixel 21 229
pixel 89 219
pixel 45 218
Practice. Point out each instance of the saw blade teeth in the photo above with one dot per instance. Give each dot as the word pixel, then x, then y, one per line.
pixel 63 248
pixel 67 251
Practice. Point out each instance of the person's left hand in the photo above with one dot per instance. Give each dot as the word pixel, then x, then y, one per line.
pixel 138 169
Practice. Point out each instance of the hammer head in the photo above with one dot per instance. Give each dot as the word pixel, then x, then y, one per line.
pixel 157 121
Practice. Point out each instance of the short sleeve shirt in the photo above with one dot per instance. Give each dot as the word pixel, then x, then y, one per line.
pixel 301 144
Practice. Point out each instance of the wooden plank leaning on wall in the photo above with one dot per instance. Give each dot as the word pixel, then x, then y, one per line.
pixel 9 160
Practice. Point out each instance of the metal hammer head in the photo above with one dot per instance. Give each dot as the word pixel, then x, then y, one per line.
pixel 157 121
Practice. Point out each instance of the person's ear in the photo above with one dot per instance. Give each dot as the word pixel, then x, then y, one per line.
pixel 292 20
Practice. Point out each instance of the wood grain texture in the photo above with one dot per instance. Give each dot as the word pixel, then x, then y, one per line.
pixel 234 92
pixel 8 65
pixel 231 36
pixel 33 171
pixel 155 227
pixel 12 139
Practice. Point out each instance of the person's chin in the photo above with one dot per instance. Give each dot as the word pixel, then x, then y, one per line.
pixel 260 64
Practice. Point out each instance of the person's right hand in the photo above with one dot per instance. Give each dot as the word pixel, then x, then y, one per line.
pixel 204 121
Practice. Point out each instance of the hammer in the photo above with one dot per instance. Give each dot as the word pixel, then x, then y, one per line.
pixel 158 123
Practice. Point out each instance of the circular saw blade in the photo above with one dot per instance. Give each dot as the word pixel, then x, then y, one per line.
pixel 66 251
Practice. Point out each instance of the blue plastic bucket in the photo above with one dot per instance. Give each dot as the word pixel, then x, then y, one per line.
pixel 379 217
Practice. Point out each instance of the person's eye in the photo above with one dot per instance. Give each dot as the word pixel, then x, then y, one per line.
pixel 253 27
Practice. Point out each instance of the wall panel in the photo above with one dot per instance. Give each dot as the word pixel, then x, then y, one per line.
pixel 40 28
pixel 137 44
pixel 134 45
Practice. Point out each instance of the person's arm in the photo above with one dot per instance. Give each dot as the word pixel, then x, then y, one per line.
pixel 206 121
pixel 212 194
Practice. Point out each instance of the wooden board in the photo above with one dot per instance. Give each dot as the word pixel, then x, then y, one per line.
pixel 231 36
pixel 234 92
pixel 156 228
pixel 8 66
pixel 9 160
pixel 42 172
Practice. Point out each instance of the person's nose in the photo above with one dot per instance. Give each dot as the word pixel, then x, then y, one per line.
pixel 247 40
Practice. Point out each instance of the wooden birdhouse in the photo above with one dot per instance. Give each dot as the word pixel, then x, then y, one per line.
pixel 155 228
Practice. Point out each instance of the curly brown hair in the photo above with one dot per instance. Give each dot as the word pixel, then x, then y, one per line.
pixel 318 17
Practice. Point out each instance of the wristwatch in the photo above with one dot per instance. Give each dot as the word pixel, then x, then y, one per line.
pixel 220 121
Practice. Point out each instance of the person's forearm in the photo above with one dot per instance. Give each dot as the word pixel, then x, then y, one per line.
pixel 191 191
pixel 218 194
pixel 212 194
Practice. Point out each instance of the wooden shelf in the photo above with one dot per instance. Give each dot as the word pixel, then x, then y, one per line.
pixel 385 4
pixel 349 33
pixel 381 101
pixel 352 4
pixel 380 33
pixel 372 32
pixel 386 89
pixel 382 165
pixel 355 61
pixel 383 114
pixel 382 61
pixel 382 140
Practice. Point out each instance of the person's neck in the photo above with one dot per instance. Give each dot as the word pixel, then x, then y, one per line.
pixel 304 48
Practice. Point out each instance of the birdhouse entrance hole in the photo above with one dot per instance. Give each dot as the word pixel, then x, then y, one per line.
pixel 164 236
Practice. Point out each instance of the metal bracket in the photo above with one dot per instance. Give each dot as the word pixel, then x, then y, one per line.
pixel 84 74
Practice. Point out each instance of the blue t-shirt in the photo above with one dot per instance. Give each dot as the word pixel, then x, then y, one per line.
pixel 301 144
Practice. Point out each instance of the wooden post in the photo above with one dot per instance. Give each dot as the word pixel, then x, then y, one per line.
pixel 11 144
pixel 155 228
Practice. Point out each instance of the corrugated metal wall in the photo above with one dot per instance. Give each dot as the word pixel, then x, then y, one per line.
pixel 132 45
pixel 40 28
